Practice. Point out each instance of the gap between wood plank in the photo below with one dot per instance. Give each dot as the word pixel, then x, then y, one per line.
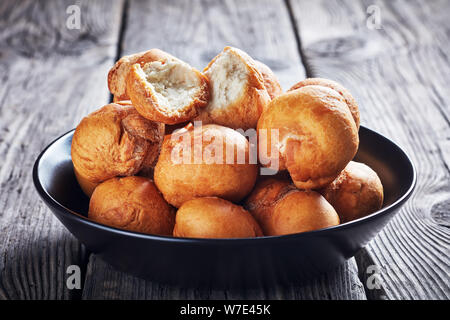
pixel 87 254
pixel 123 25
pixel 38 103
pixel 86 257
pixel 308 70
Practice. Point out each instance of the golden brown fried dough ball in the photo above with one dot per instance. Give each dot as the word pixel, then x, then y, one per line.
pixel 132 203
pixel 267 192
pixel 271 82
pixel 356 192
pixel 168 90
pixel 317 135
pixel 351 102
pixel 214 218
pixel 114 141
pixel 281 209
pixel 188 168
pixel 119 72
pixel 238 94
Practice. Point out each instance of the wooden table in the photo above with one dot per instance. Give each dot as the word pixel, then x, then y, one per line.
pixel 399 70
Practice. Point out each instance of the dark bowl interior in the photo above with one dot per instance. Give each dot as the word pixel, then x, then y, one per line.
pixel 224 263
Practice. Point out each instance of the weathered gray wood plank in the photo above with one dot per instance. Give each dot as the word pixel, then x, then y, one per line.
pixel 195 32
pixel 50 77
pixel 104 282
pixel 400 75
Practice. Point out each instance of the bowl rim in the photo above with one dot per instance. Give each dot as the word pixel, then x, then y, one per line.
pixel 50 201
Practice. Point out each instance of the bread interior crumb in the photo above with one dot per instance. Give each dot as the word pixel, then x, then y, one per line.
pixel 174 83
pixel 228 80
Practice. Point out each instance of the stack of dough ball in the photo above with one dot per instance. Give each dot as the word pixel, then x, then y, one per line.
pixel 188 168
pixel 132 203
pixel 356 192
pixel 282 209
pixel 166 89
pixel 207 170
pixel 317 135
pixel 114 141
pixel 238 93
pixel 213 217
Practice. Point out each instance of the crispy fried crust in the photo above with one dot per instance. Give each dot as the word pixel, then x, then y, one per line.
pixel 281 209
pixel 118 73
pixel 351 102
pixel 271 82
pixel 132 203
pixel 244 112
pixel 180 181
pixel 114 141
pixel 213 217
pixel 356 192
pixel 317 135
pixel 146 102
pixel 267 192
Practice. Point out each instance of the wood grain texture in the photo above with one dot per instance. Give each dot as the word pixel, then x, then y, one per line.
pixel 50 77
pixel 104 282
pixel 400 75
pixel 196 31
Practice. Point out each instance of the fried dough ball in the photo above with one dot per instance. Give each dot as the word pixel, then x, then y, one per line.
pixel 114 141
pixel 213 217
pixel 118 73
pixel 271 83
pixel 356 192
pixel 168 90
pixel 238 94
pixel 351 102
pixel 132 203
pixel 317 135
pixel 209 160
pixel 282 209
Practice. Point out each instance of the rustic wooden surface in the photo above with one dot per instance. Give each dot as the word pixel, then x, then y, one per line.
pixel 51 76
pixel 400 74
pixel 267 35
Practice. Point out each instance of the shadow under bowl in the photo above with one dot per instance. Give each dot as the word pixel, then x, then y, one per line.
pixel 224 263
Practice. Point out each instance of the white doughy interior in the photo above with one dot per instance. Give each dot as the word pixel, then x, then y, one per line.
pixel 228 80
pixel 175 84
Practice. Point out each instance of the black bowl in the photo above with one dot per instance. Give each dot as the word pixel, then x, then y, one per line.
pixel 224 263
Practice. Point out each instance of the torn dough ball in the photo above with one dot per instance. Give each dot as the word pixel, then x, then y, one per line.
pixel 169 91
pixel 118 73
pixel 238 93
